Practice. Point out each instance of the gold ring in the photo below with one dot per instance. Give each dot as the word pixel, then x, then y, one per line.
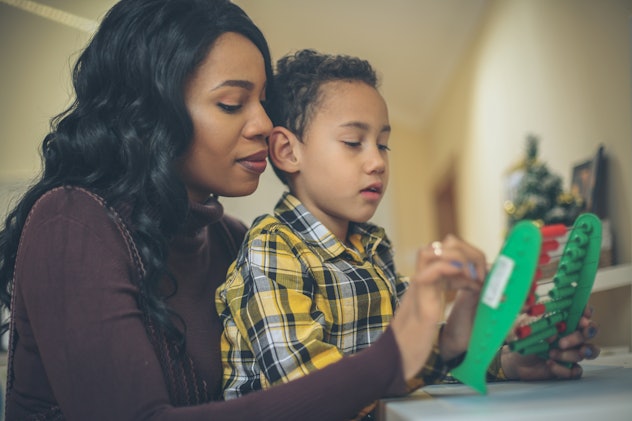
pixel 437 248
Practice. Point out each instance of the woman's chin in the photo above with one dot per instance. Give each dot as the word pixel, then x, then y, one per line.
pixel 241 191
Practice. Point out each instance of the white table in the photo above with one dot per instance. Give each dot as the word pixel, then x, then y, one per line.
pixel 604 393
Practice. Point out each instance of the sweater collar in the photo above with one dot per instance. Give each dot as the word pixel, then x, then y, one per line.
pixel 203 214
pixel 199 215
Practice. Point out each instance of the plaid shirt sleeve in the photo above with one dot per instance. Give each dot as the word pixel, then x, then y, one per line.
pixel 495 370
pixel 274 332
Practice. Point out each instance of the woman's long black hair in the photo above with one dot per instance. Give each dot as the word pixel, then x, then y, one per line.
pixel 128 124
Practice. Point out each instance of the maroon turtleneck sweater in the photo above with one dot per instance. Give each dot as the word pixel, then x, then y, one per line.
pixel 81 344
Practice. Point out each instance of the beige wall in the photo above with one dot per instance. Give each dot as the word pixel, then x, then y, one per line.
pixel 37 57
pixel 558 69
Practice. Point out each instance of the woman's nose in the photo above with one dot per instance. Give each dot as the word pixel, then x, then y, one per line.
pixel 260 124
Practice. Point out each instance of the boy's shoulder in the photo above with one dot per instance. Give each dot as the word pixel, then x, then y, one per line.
pixel 266 223
pixel 269 235
pixel 270 226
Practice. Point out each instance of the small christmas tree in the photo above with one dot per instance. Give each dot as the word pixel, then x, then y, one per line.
pixel 539 195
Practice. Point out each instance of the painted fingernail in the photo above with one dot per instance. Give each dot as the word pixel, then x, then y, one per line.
pixel 472 269
pixel 592 331
pixel 588 352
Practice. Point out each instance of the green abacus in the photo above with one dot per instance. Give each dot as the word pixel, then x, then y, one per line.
pixel 564 305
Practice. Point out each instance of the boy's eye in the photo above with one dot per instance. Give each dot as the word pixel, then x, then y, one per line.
pixel 351 144
pixel 229 108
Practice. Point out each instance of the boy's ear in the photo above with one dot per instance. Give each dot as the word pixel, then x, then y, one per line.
pixel 282 149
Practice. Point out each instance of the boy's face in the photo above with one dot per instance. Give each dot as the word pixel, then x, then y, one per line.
pixel 344 156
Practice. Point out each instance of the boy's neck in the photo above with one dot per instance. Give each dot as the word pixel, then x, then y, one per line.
pixel 337 226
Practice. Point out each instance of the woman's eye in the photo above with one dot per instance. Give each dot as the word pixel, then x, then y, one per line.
pixel 229 108
pixel 383 147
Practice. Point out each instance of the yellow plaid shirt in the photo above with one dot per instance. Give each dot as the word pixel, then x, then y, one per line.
pixel 297 299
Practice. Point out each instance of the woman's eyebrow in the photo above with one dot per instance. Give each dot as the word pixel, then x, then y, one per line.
pixel 245 84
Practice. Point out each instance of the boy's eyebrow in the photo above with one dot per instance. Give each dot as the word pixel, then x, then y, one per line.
pixel 236 83
pixel 364 126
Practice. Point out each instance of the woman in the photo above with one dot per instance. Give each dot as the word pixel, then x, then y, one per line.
pixel 110 261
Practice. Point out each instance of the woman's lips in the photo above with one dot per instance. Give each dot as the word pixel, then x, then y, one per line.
pixel 256 162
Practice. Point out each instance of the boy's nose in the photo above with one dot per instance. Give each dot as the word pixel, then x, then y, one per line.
pixel 377 161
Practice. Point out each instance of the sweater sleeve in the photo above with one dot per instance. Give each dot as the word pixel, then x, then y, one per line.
pixel 82 343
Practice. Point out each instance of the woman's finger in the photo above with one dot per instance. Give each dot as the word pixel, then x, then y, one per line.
pixel 444 275
pixel 469 254
pixel 563 372
pixel 469 260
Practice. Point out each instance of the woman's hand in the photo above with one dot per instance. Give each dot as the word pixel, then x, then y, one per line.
pixel 572 349
pixel 456 334
pixel 451 264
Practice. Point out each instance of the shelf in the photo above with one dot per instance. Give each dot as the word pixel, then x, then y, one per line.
pixel 613 277
pixel 607 278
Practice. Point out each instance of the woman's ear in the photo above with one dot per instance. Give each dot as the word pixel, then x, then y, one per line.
pixel 282 149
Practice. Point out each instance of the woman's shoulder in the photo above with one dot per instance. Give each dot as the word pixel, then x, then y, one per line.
pixel 71 221
pixel 70 205
pixel 69 200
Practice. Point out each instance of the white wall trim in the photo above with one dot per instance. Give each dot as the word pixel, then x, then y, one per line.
pixel 55 15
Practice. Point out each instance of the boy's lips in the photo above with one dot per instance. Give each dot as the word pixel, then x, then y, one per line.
pixel 374 188
pixel 256 162
pixel 373 192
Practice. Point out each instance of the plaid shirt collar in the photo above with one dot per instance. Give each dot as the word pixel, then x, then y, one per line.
pixel 323 242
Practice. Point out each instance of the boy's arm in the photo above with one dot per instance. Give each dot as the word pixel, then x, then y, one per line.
pixel 241 373
pixel 271 300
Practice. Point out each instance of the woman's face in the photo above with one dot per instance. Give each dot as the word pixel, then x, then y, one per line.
pixel 224 99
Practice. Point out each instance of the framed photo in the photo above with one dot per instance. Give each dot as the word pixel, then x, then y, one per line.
pixel 588 183
pixel 511 183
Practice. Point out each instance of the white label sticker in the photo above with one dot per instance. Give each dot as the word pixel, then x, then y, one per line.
pixel 498 278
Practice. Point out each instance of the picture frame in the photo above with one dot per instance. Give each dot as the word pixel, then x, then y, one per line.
pixel 588 183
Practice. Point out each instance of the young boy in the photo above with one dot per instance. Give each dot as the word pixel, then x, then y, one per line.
pixel 315 281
